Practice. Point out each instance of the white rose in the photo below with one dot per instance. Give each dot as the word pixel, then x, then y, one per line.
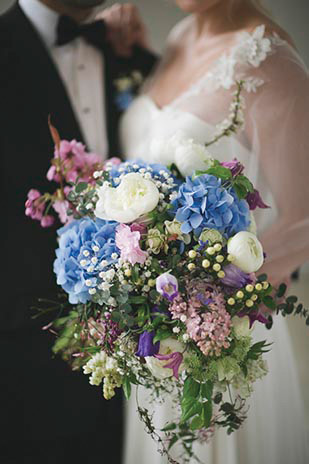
pixel 241 326
pixel 133 197
pixel 247 251
pixel 191 156
pixel 168 346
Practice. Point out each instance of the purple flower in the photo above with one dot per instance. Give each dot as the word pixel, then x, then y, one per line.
pixel 175 361
pixel 254 315
pixel 167 286
pixel 234 166
pixel 146 347
pixel 235 277
pixel 254 200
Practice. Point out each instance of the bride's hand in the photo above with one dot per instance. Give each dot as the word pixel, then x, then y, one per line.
pixel 125 27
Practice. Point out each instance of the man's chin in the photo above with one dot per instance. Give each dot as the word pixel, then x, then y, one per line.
pixel 83 4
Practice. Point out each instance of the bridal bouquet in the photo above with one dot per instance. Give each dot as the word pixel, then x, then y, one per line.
pixel 159 270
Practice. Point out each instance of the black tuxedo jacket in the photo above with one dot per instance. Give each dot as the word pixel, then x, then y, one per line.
pixel 49 413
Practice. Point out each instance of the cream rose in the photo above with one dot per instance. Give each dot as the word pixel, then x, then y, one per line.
pixel 247 251
pixel 134 197
pixel 241 326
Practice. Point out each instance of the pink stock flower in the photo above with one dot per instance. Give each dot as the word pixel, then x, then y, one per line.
pixel 128 243
pixel 175 360
pixel 47 221
pixel 61 207
pixel 34 207
pixel 75 162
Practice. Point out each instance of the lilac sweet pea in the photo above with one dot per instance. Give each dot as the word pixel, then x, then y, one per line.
pixel 235 277
pixel 254 200
pixel 175 361
pixel 146 347
pixel 234 166
pixel 167 286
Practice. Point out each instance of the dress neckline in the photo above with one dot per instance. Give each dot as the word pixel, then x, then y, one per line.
pixel 254 38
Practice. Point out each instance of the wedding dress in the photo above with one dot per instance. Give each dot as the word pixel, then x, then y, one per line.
pixel 275 152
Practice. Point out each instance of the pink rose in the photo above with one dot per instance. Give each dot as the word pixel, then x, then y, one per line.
pixel 128 243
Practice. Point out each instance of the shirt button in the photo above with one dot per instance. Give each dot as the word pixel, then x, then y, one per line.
pixel 86 110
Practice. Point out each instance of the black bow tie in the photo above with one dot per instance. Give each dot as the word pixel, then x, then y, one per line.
pixel 68 30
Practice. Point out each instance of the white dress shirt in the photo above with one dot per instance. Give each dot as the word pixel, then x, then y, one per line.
pixel 81 67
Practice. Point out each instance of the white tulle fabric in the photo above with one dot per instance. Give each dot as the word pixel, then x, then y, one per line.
pixel 274 148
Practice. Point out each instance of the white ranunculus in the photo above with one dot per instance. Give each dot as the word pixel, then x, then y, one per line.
pixel 191 156
pixel 241 326
pixel 133 197
pixel 247 251
pixel 168 346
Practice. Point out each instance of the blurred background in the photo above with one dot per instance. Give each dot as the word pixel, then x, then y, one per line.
pixel 161 15
pixel 293 16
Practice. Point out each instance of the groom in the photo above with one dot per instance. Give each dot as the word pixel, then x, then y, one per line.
pixel 55 62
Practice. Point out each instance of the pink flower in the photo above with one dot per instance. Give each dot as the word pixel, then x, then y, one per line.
pixel 128 243
pixel 34 207
pixel 47 221
pixel 61 207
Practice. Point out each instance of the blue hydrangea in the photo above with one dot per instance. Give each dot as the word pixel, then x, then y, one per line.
pixel 124 99
pixel 83 245
pixel 155 169
pixel 203 202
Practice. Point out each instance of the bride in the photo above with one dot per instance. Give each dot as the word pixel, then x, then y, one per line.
pixel 222 41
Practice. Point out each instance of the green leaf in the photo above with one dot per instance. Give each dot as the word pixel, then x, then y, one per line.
pixel 161 335
pixel 281 290
pixel 269 302
pixel 189 408
pixel 81 187
pixel 207 414
pixel 197 423
pixel 244 182
pixel 169 427
pixel 191 388
pixel 137 299
pixel 126 387
pixel 240 191
pixel 173 441
pixel 291 299
pixel 206 390
pixel 220 171
pixel 116 316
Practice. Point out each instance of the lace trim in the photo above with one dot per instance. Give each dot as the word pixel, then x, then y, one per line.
pixel 250 50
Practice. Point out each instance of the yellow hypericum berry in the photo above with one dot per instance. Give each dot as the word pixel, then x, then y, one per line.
pixel 265 285
pixel 210 250
pixel 128 272
pixel 191 266
pixel 206 263
pixel 218 247
pixel 258 287
pixel 151 282
pixel 254 297
pixel 192 254
pixel 220 258
pixel 249 288
pixel 216 267
pixel 230 258
pixel 240 294
pixel 231 301
pixel 249 303
pixel 221 274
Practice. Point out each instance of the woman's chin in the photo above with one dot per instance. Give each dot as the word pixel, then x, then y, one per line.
pixel 195 6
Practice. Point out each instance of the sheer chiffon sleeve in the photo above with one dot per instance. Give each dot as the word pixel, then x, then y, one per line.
pixel 276 140
pixel 277 126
